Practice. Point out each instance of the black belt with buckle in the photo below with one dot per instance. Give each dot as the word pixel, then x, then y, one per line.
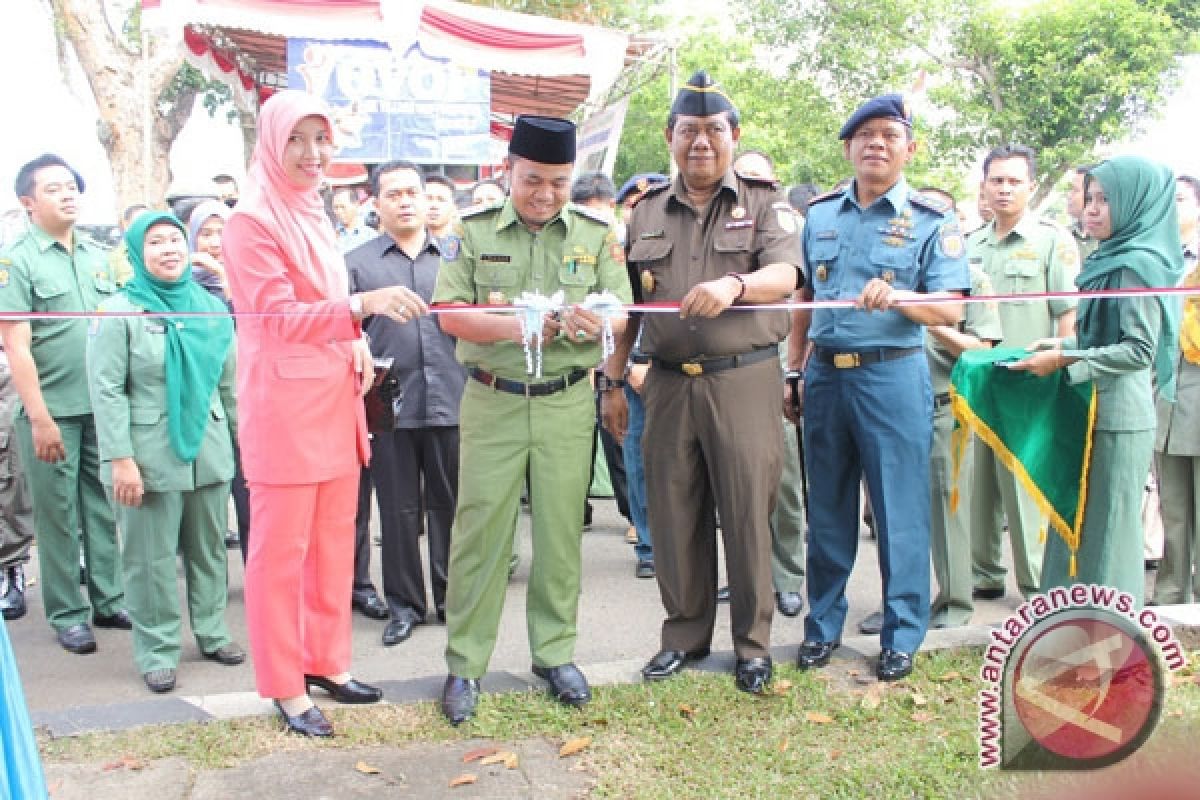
pixel 864 357
pixel 942 399
pixel 527 389
pixel 707 366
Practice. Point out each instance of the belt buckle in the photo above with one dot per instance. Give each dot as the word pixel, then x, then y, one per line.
pixel 846 360
pixel 692 369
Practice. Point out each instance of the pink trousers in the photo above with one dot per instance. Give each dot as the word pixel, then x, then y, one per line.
pixel 299 574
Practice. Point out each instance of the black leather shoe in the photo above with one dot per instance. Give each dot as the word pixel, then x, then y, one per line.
pixel 441 614
pixel 871 624
pixel 77 639
pixel 567 684
pixel 670 662
pixel 400 628
pixel 119 620
pixel 789 603
pixel 459 696
pixel 982 593
pixel 894 665
pixel 12 592
pixel 369 603
pixel 723 594
pixel 753 675
pixel 159 680
pixel 311 723
pixel 230 654
pixel 815 654
pixel 349 692
pixel 645 568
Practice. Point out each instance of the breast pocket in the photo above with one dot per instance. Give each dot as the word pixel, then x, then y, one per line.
pixel 1024 276
pixel 53 295
pixel 822 258
pixel 735 248
pixel 494 279
pixel 649 260
pixel 577 275
pixel 896 265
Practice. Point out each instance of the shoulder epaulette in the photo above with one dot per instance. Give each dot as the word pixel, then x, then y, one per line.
pixel 588 213
pixel 476 210
pixel 928 203
pixel 755 180
pixel 821 198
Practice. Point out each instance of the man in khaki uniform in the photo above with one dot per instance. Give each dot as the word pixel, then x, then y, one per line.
pixel 51 269
pixel 1021 254
pixel 514 422
pixel 713 436
pixel 949 529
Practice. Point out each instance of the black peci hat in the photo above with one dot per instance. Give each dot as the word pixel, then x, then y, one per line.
pixel 546 140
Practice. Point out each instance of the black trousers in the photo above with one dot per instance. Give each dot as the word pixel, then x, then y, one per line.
pixel 415 472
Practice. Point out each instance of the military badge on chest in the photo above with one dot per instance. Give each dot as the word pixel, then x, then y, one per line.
pixel 898 231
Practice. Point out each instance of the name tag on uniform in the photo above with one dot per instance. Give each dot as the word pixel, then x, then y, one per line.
pixel 741 223
pixel 494 258
pixel 580 258
pixel 826 235
pixel 155 327
pixel 653 235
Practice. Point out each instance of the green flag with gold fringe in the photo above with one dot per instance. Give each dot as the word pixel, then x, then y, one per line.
pixel 1040 428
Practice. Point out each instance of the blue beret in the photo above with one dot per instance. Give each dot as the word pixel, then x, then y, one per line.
pixel 701 96
pixel 640 183
pixel 886 106
pixel 546 140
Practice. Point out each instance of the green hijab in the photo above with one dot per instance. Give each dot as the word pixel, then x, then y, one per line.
pixel 196 346
pixel 1145 240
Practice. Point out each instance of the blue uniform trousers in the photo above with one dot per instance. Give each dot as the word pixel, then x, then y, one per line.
pixel 635 473
pixel 874 421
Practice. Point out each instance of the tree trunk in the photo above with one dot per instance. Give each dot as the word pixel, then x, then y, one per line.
pixel 123 81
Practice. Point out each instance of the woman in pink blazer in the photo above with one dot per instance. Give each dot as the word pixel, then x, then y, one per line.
pixel 303 436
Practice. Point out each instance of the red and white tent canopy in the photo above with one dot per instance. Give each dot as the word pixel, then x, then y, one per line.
pixel 539 65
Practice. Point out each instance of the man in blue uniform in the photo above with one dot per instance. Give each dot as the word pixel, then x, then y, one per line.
pixel 867 399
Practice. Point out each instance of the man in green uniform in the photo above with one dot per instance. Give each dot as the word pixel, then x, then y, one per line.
pixel 50 269
pixel 949 528
pixel 1083 242
pixel 16 513
pixel 1021 254
pixel 514 423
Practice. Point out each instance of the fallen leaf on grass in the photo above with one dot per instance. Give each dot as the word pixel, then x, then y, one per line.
pixel 834 755
pixel 367 769
pixel 871 701
pixel 478 753
pixel 465 779
pixel 511 761
pixel 686 711
pixel 574 746
pixel 783 746
pixel 818 717
pixel 919 700
pixel 782 687
pixel 504 757
pixel 949 676
pixel 853 672
pixel 125 762
pixel 921 716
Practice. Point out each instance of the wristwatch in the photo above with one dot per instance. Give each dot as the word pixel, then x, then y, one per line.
pixel 605 383
pixel 356 306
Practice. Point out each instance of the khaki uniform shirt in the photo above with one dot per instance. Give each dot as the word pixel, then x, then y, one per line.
pixel 981 320
pixel 1036 256
pixel 495 257
pixel 672 247
pixel 38 274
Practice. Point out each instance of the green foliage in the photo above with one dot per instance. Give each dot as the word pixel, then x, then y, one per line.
pixel 1065 77
pixel 214 94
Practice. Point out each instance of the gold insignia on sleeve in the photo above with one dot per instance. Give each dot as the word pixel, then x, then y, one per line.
pixel 822 272
pixel 647 281
pixel 3 278
pixel 952 241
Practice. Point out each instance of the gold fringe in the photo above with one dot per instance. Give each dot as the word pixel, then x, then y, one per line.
pixel 969 422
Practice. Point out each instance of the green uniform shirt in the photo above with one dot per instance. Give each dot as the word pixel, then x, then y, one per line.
pixel 981 320
pixel 38 274
pixel 1035 256
pixel 494 258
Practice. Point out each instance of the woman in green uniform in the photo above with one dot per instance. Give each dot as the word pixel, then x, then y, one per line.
pixel 1124 346
pixel 163 397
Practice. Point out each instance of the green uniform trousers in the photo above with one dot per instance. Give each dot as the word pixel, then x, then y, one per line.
pixel 949 531
pixel 70 510
pixel 1110 546
pixel 994 488
pixel 192 525
pixel 1179 495
pixel 788 521
pixel 503 437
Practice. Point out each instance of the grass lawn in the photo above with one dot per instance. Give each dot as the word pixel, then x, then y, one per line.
pixel 833 733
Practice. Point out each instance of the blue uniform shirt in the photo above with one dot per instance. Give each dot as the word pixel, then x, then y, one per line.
pixel 903 238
